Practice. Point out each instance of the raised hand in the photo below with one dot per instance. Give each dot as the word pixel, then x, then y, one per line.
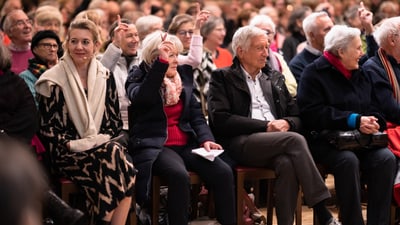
pixel 165 49
pixel 119 32
pixel 366 18
pixel 201 18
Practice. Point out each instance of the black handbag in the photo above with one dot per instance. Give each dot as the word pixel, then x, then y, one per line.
pixel 355 140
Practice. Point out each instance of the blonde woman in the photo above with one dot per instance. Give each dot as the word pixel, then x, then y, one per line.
pixel 80 117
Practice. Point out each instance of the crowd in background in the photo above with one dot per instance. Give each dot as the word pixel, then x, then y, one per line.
pixel 80 52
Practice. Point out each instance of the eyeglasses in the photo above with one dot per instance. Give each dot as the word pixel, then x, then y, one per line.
pixel 185 32
pixel 269 33
pixel 21 23
pixel 49 46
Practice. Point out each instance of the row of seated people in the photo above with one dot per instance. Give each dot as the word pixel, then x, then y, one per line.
pixel 244 101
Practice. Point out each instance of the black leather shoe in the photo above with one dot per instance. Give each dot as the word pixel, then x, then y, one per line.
pixel 61 213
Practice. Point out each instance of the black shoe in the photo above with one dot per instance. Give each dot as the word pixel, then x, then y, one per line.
pixel 61 213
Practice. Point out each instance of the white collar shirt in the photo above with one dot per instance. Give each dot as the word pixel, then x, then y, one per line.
pixel 259 108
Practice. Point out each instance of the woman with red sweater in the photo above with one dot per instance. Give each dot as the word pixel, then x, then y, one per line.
pixel 166 123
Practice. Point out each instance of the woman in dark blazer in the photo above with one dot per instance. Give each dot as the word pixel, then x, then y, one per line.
pixel 166 123
pixel 334 94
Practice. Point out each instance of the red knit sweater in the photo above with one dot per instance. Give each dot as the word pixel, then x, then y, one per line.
pixel 176 137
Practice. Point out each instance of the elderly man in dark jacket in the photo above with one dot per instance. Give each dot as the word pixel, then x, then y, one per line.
pixel 255 119
pixel 384 73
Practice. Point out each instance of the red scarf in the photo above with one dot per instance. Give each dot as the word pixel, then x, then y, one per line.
pixel 1 72
pixel 334 60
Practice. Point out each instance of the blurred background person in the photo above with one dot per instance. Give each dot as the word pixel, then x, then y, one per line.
pixel 18 28
pixel 297 36
pixel 22 185
pixel 213 32
pixel 44 46
pixel 315 27
pixel 187 29
pixel 275 60
pixel 148 24
pixel 48 17
pixel 120 56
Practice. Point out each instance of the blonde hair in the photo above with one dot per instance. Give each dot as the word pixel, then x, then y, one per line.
pixel 46 13
pixel 84 24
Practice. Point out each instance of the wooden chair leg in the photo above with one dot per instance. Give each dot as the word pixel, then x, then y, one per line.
pixel 393 214
pixel 299 207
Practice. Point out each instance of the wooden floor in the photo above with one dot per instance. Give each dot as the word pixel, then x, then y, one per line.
pixel 307 213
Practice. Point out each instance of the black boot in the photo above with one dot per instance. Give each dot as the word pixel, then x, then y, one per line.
pixel 60 212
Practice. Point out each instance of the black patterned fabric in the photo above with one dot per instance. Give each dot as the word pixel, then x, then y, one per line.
pixel 201 78
pixel 104 173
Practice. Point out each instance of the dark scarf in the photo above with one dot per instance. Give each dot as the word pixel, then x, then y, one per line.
pixel 37 67
pixel 334 60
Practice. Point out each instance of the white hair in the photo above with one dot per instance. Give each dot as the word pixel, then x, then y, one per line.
pixel 153 40
pixel 309 23
pixel 243 35
pixel 262 19
pixel 388 27
pixel 339 37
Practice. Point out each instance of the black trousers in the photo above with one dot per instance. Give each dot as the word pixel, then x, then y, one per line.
pixel 173 164
pixel 288 155
pixel 376 166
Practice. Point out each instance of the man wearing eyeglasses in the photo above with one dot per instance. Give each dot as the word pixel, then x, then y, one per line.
pixel 275 60
pixel 18 28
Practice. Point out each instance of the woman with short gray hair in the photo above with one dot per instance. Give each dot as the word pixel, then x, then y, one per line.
pixel 334 94
pixel 339 38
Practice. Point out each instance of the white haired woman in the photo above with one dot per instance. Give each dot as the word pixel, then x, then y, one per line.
pixel 167 124
pixel 335 95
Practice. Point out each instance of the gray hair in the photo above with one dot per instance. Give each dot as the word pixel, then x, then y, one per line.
pixel 262 19
pixel 339 37
pixel 309 23
pixel 388 27
pixel 144 23
pixel 152 41
pixel 243 35
pixel 5 58
pixel 9 19
pixel 210 25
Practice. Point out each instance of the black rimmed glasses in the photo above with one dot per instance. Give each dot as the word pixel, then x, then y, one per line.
pixel 49 46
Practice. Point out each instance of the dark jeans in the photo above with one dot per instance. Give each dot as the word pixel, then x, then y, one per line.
pixel 173 164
